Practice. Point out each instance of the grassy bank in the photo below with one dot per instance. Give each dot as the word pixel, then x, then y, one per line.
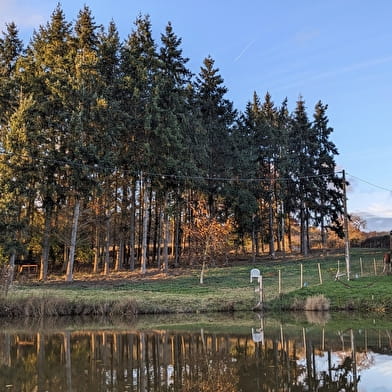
pixel 225 289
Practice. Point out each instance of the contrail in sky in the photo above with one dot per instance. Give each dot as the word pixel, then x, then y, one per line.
pixel 244 50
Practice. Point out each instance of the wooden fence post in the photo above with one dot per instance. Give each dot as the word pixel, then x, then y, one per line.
pixel 319 271
pixel 302 276
pixel 361 265
pixel 280 282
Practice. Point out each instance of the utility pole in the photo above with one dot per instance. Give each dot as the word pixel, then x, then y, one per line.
pixel 346 233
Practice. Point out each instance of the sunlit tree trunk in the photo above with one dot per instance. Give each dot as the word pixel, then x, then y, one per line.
pixel 46 242
pixel 72 249
pixel 107 243
pixel 96 250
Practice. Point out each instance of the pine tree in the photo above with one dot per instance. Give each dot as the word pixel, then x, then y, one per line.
pixel 302 152
pixel 109 121
pixel 217 118
pixel 11 48
pixel 247 195
pixel 329 186
pixel 171 129
pixel 83 142
pixel 44 74
pixel 12 199
pixel 139 63
pixel 269 152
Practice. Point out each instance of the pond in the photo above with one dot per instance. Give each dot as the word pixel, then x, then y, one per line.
pixel 198 353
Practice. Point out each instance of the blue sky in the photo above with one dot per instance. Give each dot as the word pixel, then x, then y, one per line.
pixel 339 51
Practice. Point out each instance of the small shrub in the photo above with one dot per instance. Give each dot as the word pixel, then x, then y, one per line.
pixel 317 303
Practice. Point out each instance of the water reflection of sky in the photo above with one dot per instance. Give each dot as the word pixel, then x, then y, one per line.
pixel 375 378
pixel 379 377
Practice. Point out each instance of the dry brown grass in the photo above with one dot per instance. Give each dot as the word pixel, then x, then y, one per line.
pixel 49 306
pixel 317 303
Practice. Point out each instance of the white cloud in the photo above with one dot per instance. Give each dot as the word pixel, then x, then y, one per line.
pixel 373 206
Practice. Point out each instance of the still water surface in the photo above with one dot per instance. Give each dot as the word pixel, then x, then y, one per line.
pixel 198 354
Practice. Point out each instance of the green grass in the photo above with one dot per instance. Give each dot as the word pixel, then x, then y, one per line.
pixel 226 288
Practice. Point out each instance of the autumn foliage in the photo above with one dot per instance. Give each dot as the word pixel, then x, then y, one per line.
pixel 208 236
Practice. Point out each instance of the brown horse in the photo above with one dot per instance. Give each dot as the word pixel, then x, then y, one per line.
pixel 387 263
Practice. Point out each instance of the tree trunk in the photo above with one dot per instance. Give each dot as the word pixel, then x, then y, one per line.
pixel 132 229
pixel 304 244
pixel 12 267
pixel 96 250
pixel 159 235
pixel 149 225
pixel 120 254
pixel 253 241
pixel 107 245
pixel 155 252
pixel 72 249
pixel 177 243
pixel 271 228
pixel 323 234
pixel 166 233
pixel 143 261
pixel 203 267
pixel 283 229
pixel 43 275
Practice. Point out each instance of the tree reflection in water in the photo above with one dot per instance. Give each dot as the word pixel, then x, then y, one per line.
pixel 163 361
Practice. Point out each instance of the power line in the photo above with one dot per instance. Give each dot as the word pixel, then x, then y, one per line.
pixel 165 175
pixel 369 183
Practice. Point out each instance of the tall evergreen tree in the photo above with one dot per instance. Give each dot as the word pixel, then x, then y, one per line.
pixel 303 145
pixel 139 63
pixel 83 142
pixel 11 48
pixel 171 128
pixel 44 74
pixel 329 205
pixel 109 122
pixel 217 118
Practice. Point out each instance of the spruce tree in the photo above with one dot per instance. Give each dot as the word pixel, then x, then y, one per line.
pixel 13 195
pixel 329 207
pixel 109 121
pixel 303 145
pixel 170 131
pixel 217 118
pixel 139 63
pixel 83 143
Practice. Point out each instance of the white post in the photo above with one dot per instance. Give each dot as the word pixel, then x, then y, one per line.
pixel 260 280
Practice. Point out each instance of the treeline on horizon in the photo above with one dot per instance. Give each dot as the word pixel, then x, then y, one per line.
pixel 114 153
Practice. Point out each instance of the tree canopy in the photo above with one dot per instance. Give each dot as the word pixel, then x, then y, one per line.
pixel 107 148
